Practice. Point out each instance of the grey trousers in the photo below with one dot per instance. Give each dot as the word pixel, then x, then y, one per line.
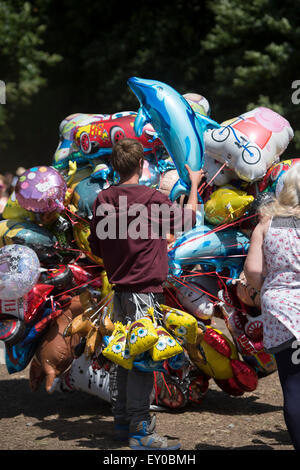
pixel 131 397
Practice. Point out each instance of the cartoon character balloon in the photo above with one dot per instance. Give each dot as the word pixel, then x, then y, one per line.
pixel 87 136
pixel 276 173
pixel 19 271
pixel 226 204
pixel 250 143
pixel 41 189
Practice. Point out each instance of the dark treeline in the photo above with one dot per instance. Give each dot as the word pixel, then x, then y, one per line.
pixel 58 57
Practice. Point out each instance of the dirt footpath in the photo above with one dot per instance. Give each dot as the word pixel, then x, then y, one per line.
pixel 78 421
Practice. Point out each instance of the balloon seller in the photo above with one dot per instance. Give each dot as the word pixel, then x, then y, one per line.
pixel 272 267
pixel 137 266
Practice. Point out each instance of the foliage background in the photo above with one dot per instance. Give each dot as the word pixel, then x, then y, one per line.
pixel 58 57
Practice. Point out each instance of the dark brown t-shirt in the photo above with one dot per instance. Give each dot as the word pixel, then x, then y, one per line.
pixel 134 252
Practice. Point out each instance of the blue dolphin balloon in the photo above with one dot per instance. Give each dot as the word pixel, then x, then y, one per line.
pixel 201 245
pixel 176 124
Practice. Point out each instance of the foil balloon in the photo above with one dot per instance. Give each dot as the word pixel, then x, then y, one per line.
pixel 13 308
pixel 117 349
pixel 217 173
pixel 250 143
pixel 167 181
pixel 54 353
pixel 180 323
pixel 141 336
pixel 41 189
pixel 246 293
pixel 67 148
pixel 150 175
pixel 275 173
pixel 226 204
pixel 41 240
pixel 225 248
pixel 19 271
pixel 165 347
pixel 102 171
pixel 81 232
pixel 176 124
pixel 13 210
pixel 197 295
pixel 12 330
pixel 84 376
pixel 198 103
pixel 85 194
pixel 215 354
pixel 98 138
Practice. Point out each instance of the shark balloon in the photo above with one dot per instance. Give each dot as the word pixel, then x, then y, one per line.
pixel 177 125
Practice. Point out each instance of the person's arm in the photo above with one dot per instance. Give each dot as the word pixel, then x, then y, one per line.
pixel 254 264
pixel 196 177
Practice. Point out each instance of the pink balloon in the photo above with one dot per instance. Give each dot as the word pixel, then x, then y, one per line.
pixel 41 189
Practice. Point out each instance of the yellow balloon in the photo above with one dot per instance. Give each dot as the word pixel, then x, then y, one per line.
pixel 74 179
pixel 180 323
pixel 81 232
pixel 141 336
pixel 226 204
pixel 13 210
pixel 213 363
pixel 117 350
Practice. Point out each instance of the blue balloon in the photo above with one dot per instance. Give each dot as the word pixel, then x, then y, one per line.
pixel 221 249
pixel 85 194
pixel 179 128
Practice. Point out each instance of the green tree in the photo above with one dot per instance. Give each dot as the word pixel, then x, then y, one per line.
pixel 255 48
pixel 21 59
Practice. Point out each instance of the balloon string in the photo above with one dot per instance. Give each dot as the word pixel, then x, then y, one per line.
pixel 70 218
pixel 214 230
pixel 155 386
pixel 205 184
pixel 198 289
pixel 76 215
pixel 204 273
pixel 208 293
pixel 78 286
pixel 172 296
pixel 212 257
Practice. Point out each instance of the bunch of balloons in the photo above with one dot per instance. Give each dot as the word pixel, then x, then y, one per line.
pixel 56 304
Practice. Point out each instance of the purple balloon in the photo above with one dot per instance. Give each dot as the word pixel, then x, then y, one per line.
pixel 41 189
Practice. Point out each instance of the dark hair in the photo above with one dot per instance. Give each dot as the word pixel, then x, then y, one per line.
pixel 126 155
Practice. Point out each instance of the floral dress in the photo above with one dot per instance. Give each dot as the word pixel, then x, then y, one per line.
pixel 280 293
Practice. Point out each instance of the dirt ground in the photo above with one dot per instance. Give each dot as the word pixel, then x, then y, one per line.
pixel 79 421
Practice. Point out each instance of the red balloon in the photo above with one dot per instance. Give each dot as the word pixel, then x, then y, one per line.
pixel 217 342
pixel 245 376
pixel 82 276
pixel 198 388
pixel 230 386
pixel 35 298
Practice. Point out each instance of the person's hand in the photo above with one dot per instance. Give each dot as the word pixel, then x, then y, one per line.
pixel 195 176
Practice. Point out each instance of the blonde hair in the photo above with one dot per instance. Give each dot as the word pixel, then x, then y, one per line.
pixel 287 203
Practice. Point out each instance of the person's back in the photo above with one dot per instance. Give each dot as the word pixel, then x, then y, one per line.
pixel 131 240
pixel 128 231
pixel 282 254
